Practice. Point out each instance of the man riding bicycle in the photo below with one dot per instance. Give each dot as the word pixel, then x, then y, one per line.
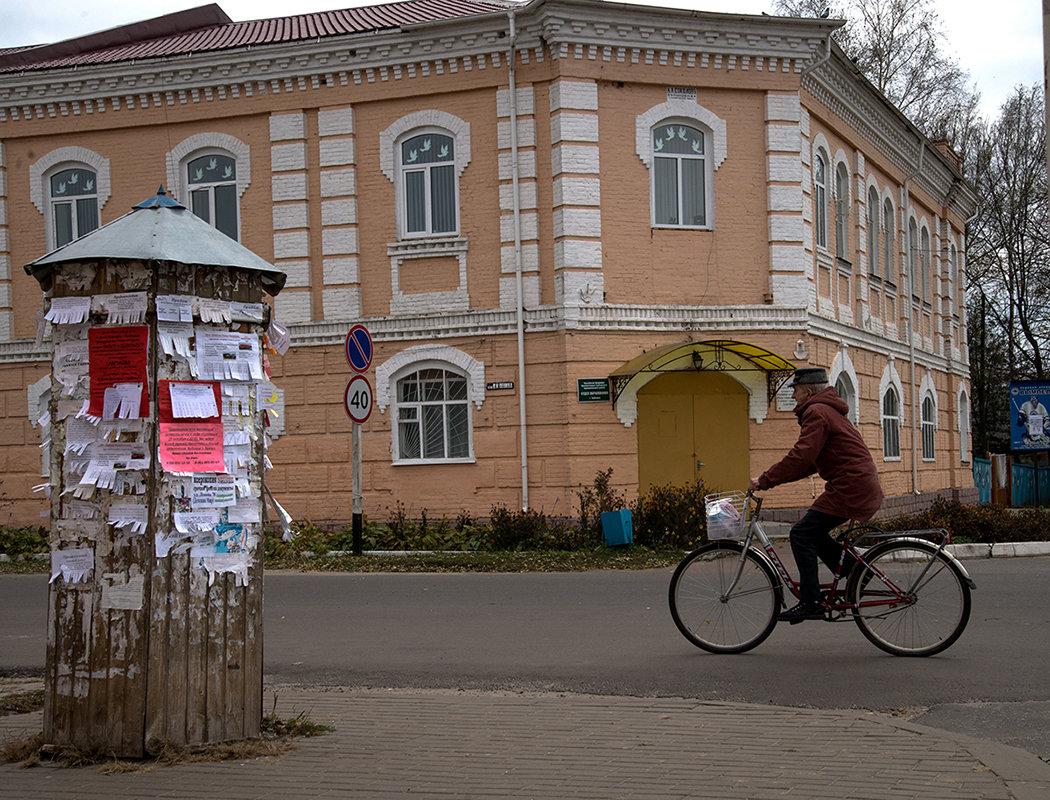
pixel 829 445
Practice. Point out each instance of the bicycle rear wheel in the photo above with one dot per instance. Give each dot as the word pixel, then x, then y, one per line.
pixel 716 614
pixel 909 622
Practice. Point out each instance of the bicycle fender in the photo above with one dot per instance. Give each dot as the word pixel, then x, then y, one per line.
pixel 769 563
pixel 955 562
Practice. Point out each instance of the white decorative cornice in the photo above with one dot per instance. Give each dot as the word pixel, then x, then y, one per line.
pixel 571 29
pixel 858 103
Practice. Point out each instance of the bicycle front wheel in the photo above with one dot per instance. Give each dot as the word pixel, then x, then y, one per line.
pixel 716 613
pixel 909 598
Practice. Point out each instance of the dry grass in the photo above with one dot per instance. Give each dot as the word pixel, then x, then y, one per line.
pixel 21 702
pixel 276 740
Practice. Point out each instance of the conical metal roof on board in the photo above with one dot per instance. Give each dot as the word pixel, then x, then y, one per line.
pixel 159 229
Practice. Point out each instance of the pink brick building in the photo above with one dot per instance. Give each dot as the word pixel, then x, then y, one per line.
pixel 515 198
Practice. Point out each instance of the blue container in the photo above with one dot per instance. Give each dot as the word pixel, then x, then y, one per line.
pixel 617 528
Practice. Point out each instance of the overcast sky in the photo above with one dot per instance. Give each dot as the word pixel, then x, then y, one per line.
pixel 999 44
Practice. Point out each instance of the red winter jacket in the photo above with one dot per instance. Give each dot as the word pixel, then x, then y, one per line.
pixel 830 446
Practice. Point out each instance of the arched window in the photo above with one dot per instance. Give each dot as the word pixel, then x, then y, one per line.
pixel 432 413
pixel 846 390
pixel 924 264
pixel 680 175
pixel 891 424
pixel 913 258
pixel 889 226
pixel 964 426
pixel 429 190
pixel 929 427
pixel 842 212
pixel 209 173
pixel 73 198
pixel 874 230
pixel 820 198
pixel 211 179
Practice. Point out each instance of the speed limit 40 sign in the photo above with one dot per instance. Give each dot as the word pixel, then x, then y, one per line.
pixel 358 399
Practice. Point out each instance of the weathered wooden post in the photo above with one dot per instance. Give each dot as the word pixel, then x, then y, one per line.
pixel 157 432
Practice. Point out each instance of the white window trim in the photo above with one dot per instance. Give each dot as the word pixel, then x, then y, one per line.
pixel 890 271
pixel 390 159
pixel 203 144
pixel 844 364
pixel 890 377
pixel 963 410
pixel 842 220
pixel 41 170
pixel 822 154
pixel 425 356
pixel 694 115
pixel 875 255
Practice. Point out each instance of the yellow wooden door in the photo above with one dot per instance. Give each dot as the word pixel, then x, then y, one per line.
pixel 693 424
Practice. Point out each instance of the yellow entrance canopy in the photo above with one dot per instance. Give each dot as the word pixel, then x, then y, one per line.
pixel 722 355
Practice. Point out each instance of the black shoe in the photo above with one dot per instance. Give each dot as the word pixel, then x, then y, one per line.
pixel 801 612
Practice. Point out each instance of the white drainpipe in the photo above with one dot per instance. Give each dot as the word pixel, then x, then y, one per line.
pixel 518 282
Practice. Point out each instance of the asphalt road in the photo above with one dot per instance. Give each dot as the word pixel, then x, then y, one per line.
pixel 611 633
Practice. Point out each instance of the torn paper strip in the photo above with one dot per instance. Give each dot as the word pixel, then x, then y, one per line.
pixel 222 355
pixel 278 337
pixel 71 365
pixel 236 399
pixel 174 338
pixel 80 435
pixel 212 310
pixel 174 308
pixel 72 565
pixel 69 310
pixel 236 564
pixel 129 517
pixel 125 308
pixel 164 542
pixel 119 594
pixel 195 521
pixel 247 312
pixel 192 400
pixel 121 401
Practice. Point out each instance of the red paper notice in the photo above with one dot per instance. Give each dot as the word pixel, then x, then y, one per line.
pixel 117 355
pixel 191 447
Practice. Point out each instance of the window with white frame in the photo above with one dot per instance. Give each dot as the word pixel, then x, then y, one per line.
pixel 913 257
pixel 846 390
pixel 820 198
pixel 929 428
pixel 888 228
pixel 924 263
pixel 891 424
pixel 432 413
pixel 842 212
pixel 874 230
pixel 964 426
pixel 211 179
pixel 680 175
pixel 429 192
pixel 73 198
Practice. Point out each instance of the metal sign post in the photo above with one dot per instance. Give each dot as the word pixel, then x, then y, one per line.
pixel 358 403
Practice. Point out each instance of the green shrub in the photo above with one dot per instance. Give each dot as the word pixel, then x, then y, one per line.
pixel 981 523
pixel 594 501
pixel 671 516
pixel 23 541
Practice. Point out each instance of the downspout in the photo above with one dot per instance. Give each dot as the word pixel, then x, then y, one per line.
pixel 518 281
pixel 911 327
pixel 816 64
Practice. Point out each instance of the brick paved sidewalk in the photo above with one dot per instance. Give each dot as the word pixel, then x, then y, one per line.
pixel 474 745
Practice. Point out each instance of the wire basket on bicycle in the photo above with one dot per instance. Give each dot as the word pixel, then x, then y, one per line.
pixel 726 515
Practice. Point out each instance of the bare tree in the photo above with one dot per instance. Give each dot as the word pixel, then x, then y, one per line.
pixel 899 46
pixel 1008 255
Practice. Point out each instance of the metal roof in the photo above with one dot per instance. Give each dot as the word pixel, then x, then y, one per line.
pixel 159 229
pixel 195 33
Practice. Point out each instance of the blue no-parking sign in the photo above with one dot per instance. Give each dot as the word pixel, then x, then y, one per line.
pixel 359 349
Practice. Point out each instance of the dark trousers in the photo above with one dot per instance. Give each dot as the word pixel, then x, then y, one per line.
pixel 810 540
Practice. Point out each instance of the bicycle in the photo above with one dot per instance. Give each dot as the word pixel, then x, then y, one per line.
pixel 907 594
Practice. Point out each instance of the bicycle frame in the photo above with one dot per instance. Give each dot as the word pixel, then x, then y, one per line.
pixel 833 601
